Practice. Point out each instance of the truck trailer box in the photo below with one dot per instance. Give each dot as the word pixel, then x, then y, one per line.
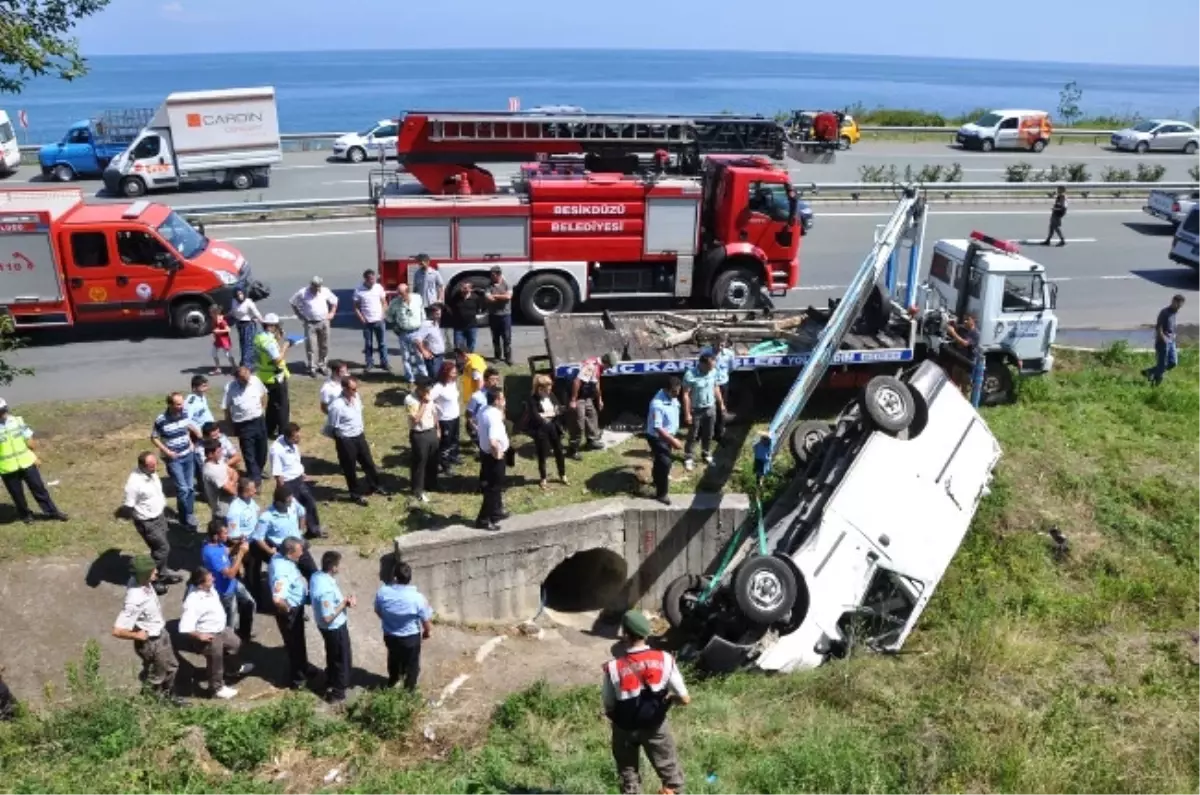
pixel 29 272
pixel 221 129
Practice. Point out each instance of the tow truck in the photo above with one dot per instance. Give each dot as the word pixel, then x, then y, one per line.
pixel 441 149
pixel 725 239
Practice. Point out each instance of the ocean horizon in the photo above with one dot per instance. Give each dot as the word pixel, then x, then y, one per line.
pixel 332 90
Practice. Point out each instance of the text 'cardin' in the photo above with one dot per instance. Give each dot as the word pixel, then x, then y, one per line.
pixel 589 209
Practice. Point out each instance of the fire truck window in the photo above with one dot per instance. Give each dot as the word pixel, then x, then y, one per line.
pixel 139 248
pixel 89 249
pixel 80 136
pixel 769 199
pixel 941 268
pixel 147 147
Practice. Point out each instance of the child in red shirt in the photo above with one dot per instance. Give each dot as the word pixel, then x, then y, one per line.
pixel 222 341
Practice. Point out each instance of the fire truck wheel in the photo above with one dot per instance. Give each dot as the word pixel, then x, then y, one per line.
pixel 190 319
pixel 888 403
pixel 63 173
pixel 241 180
pixel 132 187
pixel 545 294
pixel 356 154
pixel 805 440
pixel 764 588
pixel 735 288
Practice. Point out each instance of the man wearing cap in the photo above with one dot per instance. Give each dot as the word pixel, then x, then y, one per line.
pixel 404 316
pixel 638 689
pixel 499 304
pixel 315 305
pixel 18 467
pixel 141 621
pixel 271 368
pixel 428 282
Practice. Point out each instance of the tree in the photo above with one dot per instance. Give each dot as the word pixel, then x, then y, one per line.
pixel 8 343
pixel 35 40
pixel 1068 103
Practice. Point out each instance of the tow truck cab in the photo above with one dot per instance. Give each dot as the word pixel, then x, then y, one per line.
pixel 1007 293
pixel 67 262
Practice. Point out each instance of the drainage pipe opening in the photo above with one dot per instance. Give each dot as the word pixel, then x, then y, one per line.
pixel 590 580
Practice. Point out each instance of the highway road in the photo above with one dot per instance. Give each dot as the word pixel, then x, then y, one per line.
pixel 308 175
pixel 1114 273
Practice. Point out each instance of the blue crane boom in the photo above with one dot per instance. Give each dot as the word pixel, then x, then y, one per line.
pixel 907 215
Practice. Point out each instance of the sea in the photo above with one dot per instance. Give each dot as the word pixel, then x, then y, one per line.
pixel 340 91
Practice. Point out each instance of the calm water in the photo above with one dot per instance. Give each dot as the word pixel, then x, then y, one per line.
pixel 343 90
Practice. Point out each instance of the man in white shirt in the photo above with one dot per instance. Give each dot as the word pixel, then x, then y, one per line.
pixel 204 621
pixel 245 406
pixel 447 403
pixel 370 304
pixel 494 447
pixel 315 305
pixel 288 469
pixel 141 621
pixel 219 478
pixel 350 440
pixel 146 506
pixel 332 387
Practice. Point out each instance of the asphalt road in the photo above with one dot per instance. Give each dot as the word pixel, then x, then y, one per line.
pixel 1114 273
pixel 310 175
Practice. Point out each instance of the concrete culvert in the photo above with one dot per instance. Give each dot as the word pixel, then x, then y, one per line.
pixel 592 580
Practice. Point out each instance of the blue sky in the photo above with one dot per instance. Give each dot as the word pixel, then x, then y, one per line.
pixel 1087 31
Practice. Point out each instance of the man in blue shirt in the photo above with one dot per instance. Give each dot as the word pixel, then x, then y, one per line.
pixel 329 613
pixel 724 359
pixel 701 402
pixel 195 405
pixel 405 615
pixel 289 592
pixel 662 423
pixel 283 519
pixel 242 519
pixel 174 435
pixel 1166 354
pixel 238 603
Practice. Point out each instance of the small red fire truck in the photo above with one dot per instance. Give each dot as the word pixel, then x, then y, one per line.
pixel 718 240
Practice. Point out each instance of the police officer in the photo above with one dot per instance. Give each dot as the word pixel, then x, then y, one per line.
pixel 662 423
pixel 18 467
pixel 330 613
pixel 271 368
pixel 283 519
pixel 638 689
pixel 289 590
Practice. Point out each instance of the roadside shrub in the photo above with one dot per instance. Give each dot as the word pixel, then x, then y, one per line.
pixel 954 173
pixel 900 117
pixel 387 714
pixel 1117 354
pixel 1150 172
pixel 928 173
pixel 1053 174
pixel 1111 174
pixel 1018 172
pixel 877 174
pixel 103 729
pixel 1078 172
pixel 241 741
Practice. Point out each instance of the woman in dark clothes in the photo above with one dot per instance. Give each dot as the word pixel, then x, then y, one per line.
pixel 541 420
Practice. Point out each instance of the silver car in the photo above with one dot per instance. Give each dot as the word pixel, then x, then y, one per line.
pixel 1161 135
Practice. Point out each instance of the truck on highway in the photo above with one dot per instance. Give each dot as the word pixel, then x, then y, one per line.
pixel 1185 247
pixel 1007 294
pixel 880 501
pixel 10 150
pixel 723 239
pixel 1171 206
pixel 229 136
pixel 91 144
pixel 441 148
pixel 64 263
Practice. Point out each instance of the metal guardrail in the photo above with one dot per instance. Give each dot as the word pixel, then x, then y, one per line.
pixel 833 189
pixel 306 139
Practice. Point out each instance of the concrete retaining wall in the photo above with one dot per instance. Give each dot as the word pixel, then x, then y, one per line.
pixel 483 576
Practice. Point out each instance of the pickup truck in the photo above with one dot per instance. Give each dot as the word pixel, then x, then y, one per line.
pixel 1171 206
pixel 88 147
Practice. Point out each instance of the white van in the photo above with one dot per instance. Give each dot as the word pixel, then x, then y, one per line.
pixel 357 147
pixel 1007 129
pixel 10 150
pixel 1185 248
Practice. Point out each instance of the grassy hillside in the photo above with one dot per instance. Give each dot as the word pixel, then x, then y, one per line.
pixel 1031 671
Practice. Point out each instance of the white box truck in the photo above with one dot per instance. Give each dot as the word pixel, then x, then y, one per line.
pixel 230 137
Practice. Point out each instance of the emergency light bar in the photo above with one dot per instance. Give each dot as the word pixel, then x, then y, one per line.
pixel 1007 246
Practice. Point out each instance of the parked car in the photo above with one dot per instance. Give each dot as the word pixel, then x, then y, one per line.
pixel 1185 247
pixel 1161 135
pixel 1007 129
pixel 357 147
pixel 1171 206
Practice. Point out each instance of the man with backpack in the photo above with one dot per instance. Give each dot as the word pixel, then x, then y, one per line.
pixel 639 687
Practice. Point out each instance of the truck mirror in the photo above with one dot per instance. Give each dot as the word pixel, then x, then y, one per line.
pixel 793 207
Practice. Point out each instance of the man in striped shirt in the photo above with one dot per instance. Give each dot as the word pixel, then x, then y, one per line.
pixel 175 435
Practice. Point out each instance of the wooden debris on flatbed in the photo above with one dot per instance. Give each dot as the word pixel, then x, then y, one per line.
pixel 702 332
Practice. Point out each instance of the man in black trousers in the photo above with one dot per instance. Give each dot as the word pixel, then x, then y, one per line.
pixel 494 452
pixel 330 613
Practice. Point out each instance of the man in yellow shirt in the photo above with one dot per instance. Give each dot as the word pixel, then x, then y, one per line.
pixel 470 378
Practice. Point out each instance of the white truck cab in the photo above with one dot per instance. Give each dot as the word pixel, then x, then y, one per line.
pixel 1007 293
pixel 1185 247
pixel 375 141
pixel 10 150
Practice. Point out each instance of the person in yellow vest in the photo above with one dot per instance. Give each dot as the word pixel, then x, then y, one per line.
pixel 271 368
pixel 18 467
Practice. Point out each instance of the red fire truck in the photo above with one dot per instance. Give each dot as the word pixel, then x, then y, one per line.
pixel 438 148
pixel 64 262
pixel 718 240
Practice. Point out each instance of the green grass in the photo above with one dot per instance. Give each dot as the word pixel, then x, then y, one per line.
pixel 1028 672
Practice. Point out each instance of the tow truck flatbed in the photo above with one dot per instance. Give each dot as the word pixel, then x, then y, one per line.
pixel 642 340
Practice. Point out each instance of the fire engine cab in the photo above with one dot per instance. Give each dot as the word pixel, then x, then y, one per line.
pixel 64 262
pixel 719 240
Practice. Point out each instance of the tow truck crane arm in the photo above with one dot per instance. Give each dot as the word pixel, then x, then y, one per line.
pixel 908 213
